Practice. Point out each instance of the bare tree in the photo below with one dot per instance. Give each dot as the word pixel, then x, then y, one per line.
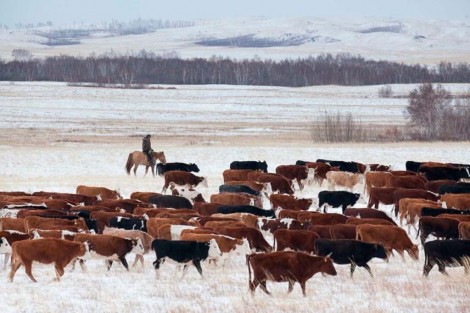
pixel 426 109
pixel 21 54
pixel 385 91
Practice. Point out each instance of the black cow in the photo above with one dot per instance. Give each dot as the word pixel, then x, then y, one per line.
pixel 128 223
pixel 458 188
pixel 168 201
pixel 337 199
pixel 446 253
pixel 413 166
pixel 301 163
pixel 249 165
pixel 184 251
pixel 343 166
pixel 438 211
pixel 438 173
pixel 176 166
pixel 354 252
pixel 227 209
pixel 238 188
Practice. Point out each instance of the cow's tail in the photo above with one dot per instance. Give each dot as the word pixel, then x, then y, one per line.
pixel 129 164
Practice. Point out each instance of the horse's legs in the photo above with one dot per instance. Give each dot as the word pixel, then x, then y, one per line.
pixel 153 170
pixel 135 169
pixel 146 170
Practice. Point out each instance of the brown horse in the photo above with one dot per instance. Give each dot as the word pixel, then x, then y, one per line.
pixel 137 158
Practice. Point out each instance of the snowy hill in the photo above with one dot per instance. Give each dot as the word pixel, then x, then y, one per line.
pixel 408 41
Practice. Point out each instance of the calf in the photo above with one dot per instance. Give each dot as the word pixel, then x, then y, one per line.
pixel 278 182
pixel 350 252
pixel 100 192
pixel 184 252
pixel 298 173
pixel 254 237
pixel 46 251
pixel 286 266
pixel 337 199
pixel 446 253
pixel 380 195
pixel 183 179
pixel 343 179
pixel 110 248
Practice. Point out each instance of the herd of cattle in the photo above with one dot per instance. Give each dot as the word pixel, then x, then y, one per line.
pixel 96 222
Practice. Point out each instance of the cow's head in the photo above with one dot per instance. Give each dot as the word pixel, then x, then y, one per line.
pixel 380 252
pixel 204 182
pixel 116 194
pixel 214 251
pixel 88 247
pixel 193 168
pixel 414 252
pixel 327 266
pixel 264 166
pixel 4 245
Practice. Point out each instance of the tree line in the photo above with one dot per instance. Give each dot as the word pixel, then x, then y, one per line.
pixel 150 68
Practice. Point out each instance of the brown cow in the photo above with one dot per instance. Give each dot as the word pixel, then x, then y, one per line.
pixel 368 213
pixel 380 195
pixel 289 202
pixel 201 221
pixel 464 230
pixel 377 180
pixel 8 223
pixel 378 167
pixel 325 219
pixel 324 231
pixel 11 237
pixel 456 201
pixel 100 192
pixel 298 173
pixel 235 175
pixel 236 198
pixel 278 182
pixel 254 237
pixel 46 251
pixel 225 223
pixel 68 197
pixel 320 171
pixel 411 208
pixel 44 213
pixel 154 223
pixel 403 173
pixel 441 227
pixel 401 193
pixel 286 266
pixel 128 205
pixel 143 196
pixel 110 248
pixel 391 237
pixel 172 231
pixel 206 209
pixel 182 178
pixel 292 214
pixel 408 182
pixel 296 240
pixel 250 220
pixel 343 179
pixel 343 231
pixel 32 222
pixel 135 234
pixel 371 221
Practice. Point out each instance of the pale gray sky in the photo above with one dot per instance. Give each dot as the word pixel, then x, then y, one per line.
pixel 69 11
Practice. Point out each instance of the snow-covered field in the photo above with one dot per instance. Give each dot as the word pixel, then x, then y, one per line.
pixel 55 137
pixel 406 40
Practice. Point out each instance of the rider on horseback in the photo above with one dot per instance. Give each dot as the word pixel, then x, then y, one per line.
pixel 147 149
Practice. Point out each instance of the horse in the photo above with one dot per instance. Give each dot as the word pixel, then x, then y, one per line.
pixel 137 158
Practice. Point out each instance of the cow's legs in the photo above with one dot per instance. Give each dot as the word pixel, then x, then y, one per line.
pixel 28 270
pixel 263 287
pixel 185 270
pixel 137 258
pixel 156 265
pixel 197 264
pixel 303 286
pixel 291 286
pixel 124 262
pixel 5 261
pixel 428 265
pixel 353 267
pixel 82 265
pixel 367 267
pixel 442 268
pixel 108 264
pixel 15 265
pixel 59 271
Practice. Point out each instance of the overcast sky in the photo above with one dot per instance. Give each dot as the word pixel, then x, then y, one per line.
pixel 69 11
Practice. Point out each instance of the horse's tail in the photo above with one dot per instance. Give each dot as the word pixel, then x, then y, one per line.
pixel 129 164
